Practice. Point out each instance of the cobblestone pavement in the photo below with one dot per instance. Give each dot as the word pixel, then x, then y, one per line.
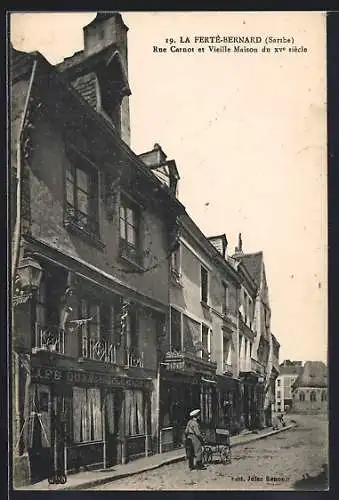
pixel 274 463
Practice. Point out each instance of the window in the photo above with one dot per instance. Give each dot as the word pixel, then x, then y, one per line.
pixel 107 322
pixel 225 298
pixel 278 394
pixel 313 396
pixel 41 303
pixel 131 337
pixel 323 396
pixel 175 262
pixel 112 92
pixel 206 404
pixel 87 419
pixel 301 396
pixel 82 196
pixel 90 330
pixel 135 413
pixel 91 310
pixel 175 330
pixel 204 284
pixel 227 347
pixel 278 382
pixel 205 343
pixel 250 311
pixel 129 231
pixel 50 314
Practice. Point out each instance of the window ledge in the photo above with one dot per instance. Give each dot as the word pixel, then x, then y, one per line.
pixel 82 233
pixel 131 262
pixel 205 305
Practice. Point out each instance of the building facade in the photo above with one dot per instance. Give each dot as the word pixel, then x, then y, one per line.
pixel 265 348
pixel 125 315
pixel 309 391
pixel 86 340
pixel 288 374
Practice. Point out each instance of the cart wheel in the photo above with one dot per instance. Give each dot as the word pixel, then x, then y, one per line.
pixel 226 455
pixel 62 479
pixel 51 480
pixel 207 455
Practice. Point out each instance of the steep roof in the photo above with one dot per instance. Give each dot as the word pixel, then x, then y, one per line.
pixel 290 369
pixel 313 374
pixel 253 263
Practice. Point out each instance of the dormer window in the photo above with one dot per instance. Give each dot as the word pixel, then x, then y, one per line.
pixel 111 103
pixel 113 87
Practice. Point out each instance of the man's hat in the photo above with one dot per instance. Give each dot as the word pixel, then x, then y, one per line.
pixel 194 413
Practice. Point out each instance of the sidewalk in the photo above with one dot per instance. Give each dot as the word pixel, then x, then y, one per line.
pixel 89 479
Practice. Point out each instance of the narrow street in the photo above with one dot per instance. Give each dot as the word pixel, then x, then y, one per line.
pixel 278 462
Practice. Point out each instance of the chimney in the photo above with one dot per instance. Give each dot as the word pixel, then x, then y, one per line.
pixel 238 249
pixel 107 28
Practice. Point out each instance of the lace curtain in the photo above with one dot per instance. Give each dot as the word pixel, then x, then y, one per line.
pixel 135 417
pixel 87 418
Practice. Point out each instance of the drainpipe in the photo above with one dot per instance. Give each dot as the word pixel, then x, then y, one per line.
pixel 15 261
pixel 17 227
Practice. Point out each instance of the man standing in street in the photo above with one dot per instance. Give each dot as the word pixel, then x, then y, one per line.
pixel 194 441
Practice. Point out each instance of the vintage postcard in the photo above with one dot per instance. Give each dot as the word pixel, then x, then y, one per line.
pixel 169 250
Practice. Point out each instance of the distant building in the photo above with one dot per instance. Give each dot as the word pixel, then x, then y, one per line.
pixel 264 352
pixel 309 391
pixel 289 372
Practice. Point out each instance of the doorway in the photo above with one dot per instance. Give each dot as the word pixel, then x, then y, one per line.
pixel 113 409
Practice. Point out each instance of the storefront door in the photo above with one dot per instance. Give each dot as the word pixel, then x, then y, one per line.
pixel 39 435
pixel 113 408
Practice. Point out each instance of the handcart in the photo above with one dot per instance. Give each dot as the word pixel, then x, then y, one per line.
pixel 217 443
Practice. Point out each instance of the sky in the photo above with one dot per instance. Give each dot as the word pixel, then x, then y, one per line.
pixel 248 134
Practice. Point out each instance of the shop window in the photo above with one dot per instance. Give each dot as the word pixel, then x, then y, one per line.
pixel 43 401
pixel 204 284
pixel 313 396
pixel 87 419
pixel 130 231
pixel 206 404
pixel 135 413
pixel 81 194
pixel 37 427
pixel 301 396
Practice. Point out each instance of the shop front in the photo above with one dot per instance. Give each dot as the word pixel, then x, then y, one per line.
pixel 77 419
pixel 229 403
pixel 186 383
pixel 249 402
